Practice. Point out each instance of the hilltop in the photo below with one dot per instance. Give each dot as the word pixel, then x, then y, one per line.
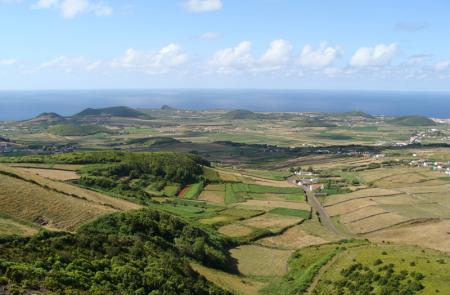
pixel 119 111
pixel 356 114
pixel 47 118
pixel 412 121
pixel 241 115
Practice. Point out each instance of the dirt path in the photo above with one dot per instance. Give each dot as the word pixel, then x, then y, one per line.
pixel 320 274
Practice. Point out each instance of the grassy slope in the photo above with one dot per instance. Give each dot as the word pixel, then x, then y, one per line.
pixel 55 205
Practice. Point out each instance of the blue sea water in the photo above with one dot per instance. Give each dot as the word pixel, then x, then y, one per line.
pixel 18 105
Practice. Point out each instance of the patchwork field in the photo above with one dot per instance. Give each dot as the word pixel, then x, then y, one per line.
pixel 398 195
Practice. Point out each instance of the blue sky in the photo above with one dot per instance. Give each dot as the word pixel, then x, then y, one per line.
pixel 89 44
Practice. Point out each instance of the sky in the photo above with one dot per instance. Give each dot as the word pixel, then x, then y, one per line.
pixel 255 44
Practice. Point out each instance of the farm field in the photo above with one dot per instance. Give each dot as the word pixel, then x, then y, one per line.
pixel 53 173
pixel 409 260
pixel 397 196
pixel 235 180
pixel 9 226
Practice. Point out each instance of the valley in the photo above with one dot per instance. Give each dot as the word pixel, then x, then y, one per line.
pixel 231 202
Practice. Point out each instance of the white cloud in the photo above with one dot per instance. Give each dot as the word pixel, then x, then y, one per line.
pixel 8 62
pixel 72 8
pixel 442 65
pixel 230 60
pixel 203 5
pixel 322 57
pixel 68 64
pixel 209 36
pixel 278 53
pixel 380 55
pixel 165 59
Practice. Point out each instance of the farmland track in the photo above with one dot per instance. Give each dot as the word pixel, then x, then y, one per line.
pixel 324 217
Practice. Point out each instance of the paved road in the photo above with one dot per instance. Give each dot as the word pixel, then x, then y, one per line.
pixel 324 217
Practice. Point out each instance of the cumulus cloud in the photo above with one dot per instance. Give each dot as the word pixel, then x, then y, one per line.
pixel 380 55
pixel 72 8
pixel 278 53
pixel 165 59
pixel 442 65
pixel 203 5
pixel 319 58
pixel 231 60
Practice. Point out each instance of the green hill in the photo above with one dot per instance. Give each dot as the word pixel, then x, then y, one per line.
pixel 120 111
pixel 412 121
pixel 139 252
pixel 47 119
pixel 314 122
pixel 77 130
pixel 356 114
pixel 153 141
pixel 241 115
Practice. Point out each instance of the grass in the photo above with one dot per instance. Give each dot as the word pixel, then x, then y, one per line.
pixel 260 261
pixel 171 190
pixel 36 204
pixel 232 196
pixel 291 212
pixel 432 264
pixel 14 226
pixel 194 191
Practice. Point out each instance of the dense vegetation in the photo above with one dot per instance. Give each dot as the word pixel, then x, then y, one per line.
pixel 361 279
pixel 412 121
pixel 140 174
pixel 241 115
pixel 77 130
pixel 139 252
pixel 119 111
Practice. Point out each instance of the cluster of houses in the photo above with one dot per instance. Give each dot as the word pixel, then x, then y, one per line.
pixel 309 181
pixel 436 166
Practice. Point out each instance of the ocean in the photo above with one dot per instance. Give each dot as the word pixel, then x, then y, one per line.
pixel 19 105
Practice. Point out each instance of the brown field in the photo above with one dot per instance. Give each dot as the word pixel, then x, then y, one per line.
pixel 272 222
pixel 54 174
pixel 294 238
pixel 398 199
pixel 233 176
pixel 260 261
pixel 212 196
pixel 50 209
pixel 233 283
pixel 375 223
pixel 361 213
pixel 347 207
pixel 67 167
pixel 365 193
pixel 400 179
pixel 429 234
pixel 269 204
pixel 426 189
pixel 235 230
pixel 71 190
